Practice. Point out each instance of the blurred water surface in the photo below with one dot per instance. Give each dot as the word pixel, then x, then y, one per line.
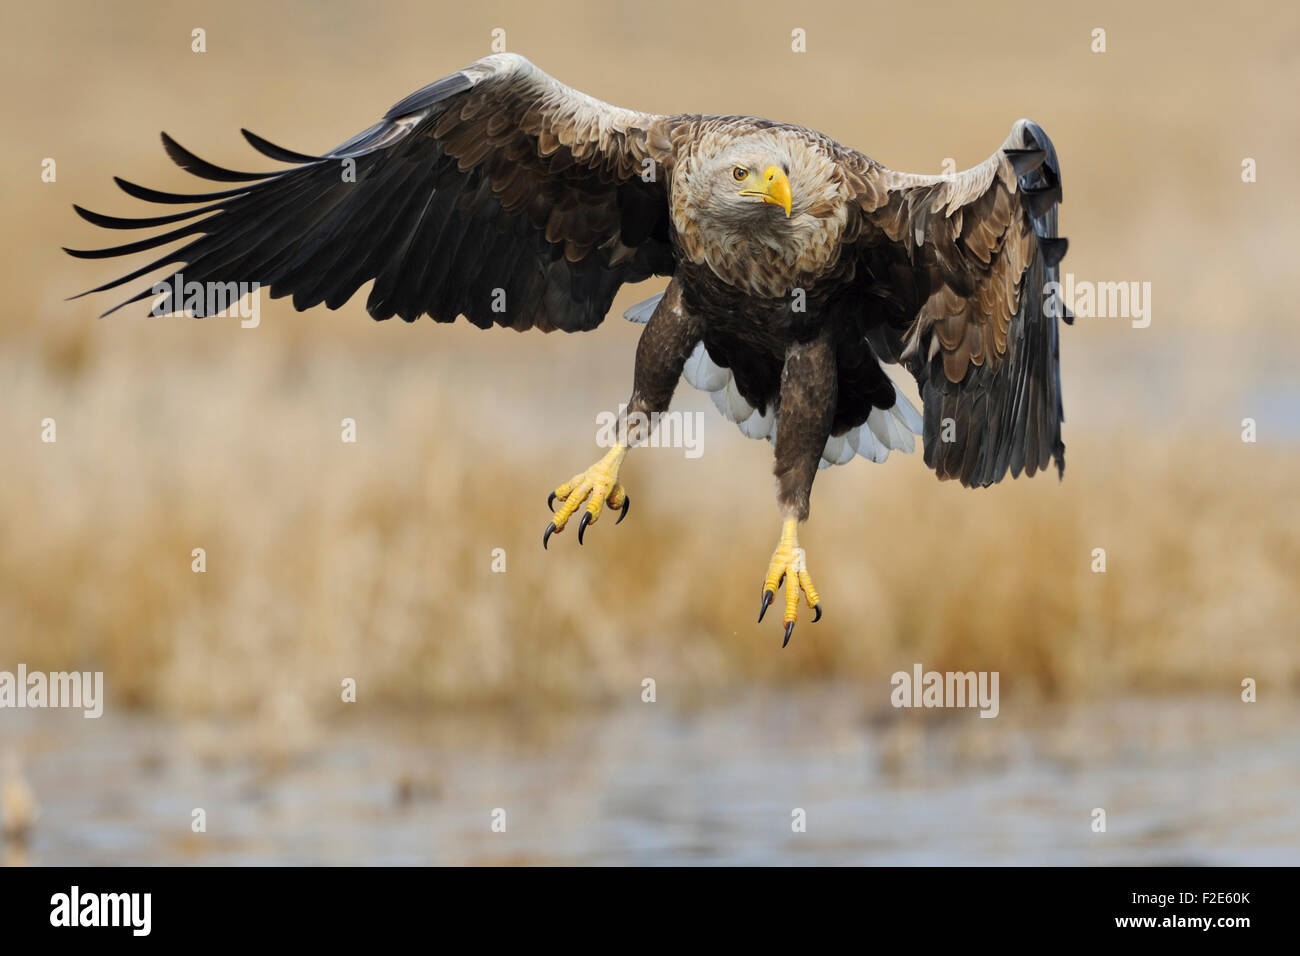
pixel 1188 781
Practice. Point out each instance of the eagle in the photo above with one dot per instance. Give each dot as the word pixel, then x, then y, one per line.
pixel 798 268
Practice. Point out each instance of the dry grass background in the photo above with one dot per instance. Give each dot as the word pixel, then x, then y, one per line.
pixel 373 560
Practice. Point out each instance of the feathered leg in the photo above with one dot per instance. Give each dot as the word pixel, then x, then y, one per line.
pixel 661 353
pixel 808 395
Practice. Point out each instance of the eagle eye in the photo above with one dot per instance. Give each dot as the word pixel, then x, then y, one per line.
pixel 739 173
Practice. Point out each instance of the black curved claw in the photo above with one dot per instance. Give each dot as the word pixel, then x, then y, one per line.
pixel 767 603
pixel 550 530
pixel 627 503
pixel 789 629
pixel 550 502
pixel 818 609
pixel 582 525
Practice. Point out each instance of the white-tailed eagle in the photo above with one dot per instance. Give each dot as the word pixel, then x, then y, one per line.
pixel 798 268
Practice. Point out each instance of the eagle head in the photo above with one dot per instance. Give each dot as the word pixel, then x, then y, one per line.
pixel 746 182
pixel 761 208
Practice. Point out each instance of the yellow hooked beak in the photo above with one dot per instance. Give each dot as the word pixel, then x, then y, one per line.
pixel 775 189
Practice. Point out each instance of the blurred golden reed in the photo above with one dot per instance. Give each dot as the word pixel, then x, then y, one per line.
pixel 374 561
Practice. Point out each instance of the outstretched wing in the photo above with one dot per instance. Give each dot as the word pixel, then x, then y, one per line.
pixel 958 270
pixel 496 193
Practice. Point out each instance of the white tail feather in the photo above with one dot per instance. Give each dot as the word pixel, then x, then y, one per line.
pixel 641 312
pixel 759 424
pixel 731 403
pixel 885 430
pixel 702 373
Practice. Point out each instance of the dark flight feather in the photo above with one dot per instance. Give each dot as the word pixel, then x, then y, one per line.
pixel 976 331
pixel 428 215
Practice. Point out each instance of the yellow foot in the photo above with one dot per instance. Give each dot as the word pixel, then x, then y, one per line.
pixel 597 486
pixel 788 563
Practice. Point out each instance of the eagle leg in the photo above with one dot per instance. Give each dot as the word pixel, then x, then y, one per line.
pixel 790 564
pixel 669 337
pixel 597 486
pixel 809 386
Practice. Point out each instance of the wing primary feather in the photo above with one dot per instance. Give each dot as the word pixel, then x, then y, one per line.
pixel 183 158
pixel 272 151
pixel 117 222
pixel 158 196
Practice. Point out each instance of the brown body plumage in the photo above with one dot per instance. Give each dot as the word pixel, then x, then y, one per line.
pixel 798 265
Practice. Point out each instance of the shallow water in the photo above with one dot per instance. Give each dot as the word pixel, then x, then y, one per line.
pixel 1181 781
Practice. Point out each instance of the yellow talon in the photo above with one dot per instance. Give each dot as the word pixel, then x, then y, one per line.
pixel 789 564
pixel 596 486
